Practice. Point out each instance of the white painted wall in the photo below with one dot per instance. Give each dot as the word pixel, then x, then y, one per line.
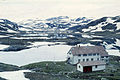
pixel 71 58
pixel 74 59
pixel 80 68
pixel 99 67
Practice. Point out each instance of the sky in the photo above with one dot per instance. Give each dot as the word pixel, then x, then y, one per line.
pixel 18 10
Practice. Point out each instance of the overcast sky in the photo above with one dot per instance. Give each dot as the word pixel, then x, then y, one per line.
pixel 17 10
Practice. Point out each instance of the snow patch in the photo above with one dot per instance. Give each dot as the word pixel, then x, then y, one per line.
pixel 114 52
pixel 3 46
pixel 96 40
pixel 1 36
pixel 108 46
pixel 14 75
pixel 118 26
pixel 86 36
pixel 117 42
pixel 88 44
pixel 109 20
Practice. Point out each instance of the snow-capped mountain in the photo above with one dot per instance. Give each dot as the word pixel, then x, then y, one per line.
pixel 103 24
pixel 8 26
pixel 104 31
pixel 62 23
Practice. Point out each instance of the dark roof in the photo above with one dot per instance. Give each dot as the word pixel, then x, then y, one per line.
pixel 88 50
pixel 92 63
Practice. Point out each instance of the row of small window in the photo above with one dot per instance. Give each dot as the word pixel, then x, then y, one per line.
pixel 88 54
pixel 105 60
pixel 79 60
pixel 104 57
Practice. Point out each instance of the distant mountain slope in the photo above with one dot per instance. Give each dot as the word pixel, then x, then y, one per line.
pixel 103 24
pixel 51 24
pixel 8 26
pixel 104 31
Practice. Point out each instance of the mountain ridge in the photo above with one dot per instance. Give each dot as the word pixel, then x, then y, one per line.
pixel 72 31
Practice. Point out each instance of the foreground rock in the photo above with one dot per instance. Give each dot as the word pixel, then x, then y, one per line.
pixel 2 78
pixel 8 67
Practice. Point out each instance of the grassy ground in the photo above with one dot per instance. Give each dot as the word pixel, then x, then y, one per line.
pixel 64 71
pixel 8 67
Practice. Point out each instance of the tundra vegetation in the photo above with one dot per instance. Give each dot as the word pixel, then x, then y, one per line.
pixel 64 71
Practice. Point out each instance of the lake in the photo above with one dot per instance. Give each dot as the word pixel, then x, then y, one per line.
pixel 43 53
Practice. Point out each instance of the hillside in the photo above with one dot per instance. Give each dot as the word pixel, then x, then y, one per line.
pixel 8 67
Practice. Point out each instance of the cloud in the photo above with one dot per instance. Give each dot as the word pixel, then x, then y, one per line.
pixel 26 9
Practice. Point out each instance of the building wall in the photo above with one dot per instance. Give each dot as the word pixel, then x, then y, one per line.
pixel 76 58
pixel 71 58
pixel 99 67
pixel 80 68
pixel 105 58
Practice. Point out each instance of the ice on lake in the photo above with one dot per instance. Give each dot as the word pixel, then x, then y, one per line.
pixel 44 53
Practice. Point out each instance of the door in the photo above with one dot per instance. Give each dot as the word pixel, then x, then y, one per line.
pixel 87 69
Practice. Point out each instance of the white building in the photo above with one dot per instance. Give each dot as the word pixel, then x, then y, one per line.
pixel 90 66
pixel 88 58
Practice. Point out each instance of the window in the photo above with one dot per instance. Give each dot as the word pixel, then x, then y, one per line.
pixel 91 59
pixel 106 60
pixel 84 54
pixel 102 57
pixel 98 59
pixel 97 53
pixel 68 58
pixel 83 59
pixel 87 59
pixel 106 56
pixel 96 66
pixel 79 54
pixel 78 60
pixel 89 54
pixel 79 66
pixel 94 54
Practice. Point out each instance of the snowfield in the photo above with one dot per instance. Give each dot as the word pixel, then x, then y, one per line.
pixel 14 75
pixel 3 46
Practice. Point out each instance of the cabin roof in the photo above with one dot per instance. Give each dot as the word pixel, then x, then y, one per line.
pixel 88 50
pixel 92 63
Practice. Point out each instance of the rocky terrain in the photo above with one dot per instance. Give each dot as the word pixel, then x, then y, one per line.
pixel 64 71
pixel 19 36
pixel 8 67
